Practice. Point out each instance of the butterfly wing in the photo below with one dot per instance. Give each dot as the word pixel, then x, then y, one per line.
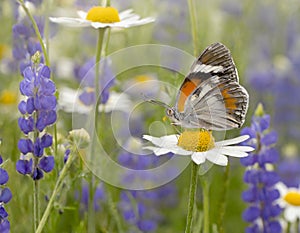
pixel 216 105
pixel 210 96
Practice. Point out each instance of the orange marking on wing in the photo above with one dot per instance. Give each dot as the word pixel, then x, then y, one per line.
pixel 230 101
pixel 186 89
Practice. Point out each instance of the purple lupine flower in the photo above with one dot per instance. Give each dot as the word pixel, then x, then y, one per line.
pixel 66 156
pixel 99 196
pixel 289 171
pixel 143 209
pixel 261 194
pixel 39 91
pixel 273 71
pixel 172 24
pixel 25 42
pixel 85 74
pixel 5 197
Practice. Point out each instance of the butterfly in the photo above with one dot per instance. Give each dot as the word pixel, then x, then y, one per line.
pixel 210 96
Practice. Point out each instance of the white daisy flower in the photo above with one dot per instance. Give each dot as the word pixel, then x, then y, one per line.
pixel 102 17
pixel 289 201
pixel 200 145
pixel 69 102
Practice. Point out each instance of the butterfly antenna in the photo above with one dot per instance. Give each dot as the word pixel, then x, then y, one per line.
pixel 156 102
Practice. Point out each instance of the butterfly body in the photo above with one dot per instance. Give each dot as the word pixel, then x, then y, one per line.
pixel 210 96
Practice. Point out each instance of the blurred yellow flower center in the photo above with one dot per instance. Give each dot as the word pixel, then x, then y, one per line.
pixel 292 198
pixel 197 141
pixel 8 97
pixel 103 14
pixel 2 50
pixel 142 78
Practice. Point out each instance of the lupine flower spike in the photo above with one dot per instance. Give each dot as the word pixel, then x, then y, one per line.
pixel 261 195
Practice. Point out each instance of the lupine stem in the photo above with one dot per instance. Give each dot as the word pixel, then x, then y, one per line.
pixel 192 194
pixel 37 32
pixel 36 216
pixel 56 190
pixel 223 200
pixel 205 188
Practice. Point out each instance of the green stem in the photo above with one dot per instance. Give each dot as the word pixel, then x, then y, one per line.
pixel 193 21
pixel 114 213
pixel 91 212
pixel 288 228
pixel 223 200
pixel 37 32
pixel 45 50
pixel 192 194
pixel 36 211
pixel 205 188
pixel 56 190
pixel 297 225
pixel 101 33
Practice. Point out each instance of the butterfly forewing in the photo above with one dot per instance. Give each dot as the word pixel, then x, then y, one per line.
pixel 210 96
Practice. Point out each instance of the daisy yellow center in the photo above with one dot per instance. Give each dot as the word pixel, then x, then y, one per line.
pixel 103 14
pixel 8 97
pixel 197 141
pixel 292 198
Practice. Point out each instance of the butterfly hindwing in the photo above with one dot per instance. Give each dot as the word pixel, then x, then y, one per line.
pixel 216 105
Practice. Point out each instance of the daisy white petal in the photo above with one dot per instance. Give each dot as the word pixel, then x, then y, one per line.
pixel 217 158
pixel 165 141
pixel 71 22
pixel 126 14
pixel 233 152
pixel 232 141
pixel 82 14
pixel 240 148
pixel 157 150
pixel 291 214
pixel 198 157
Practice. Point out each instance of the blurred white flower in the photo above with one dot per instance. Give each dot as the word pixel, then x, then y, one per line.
pixel 69 102
pixel 289 201
pixel 102 17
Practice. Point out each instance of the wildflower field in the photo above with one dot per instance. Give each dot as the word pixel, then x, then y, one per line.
pixel 122 116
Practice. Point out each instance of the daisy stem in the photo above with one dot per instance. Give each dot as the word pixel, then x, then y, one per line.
pixel 205 188
pixel 193 20
pixel 222 204
pixel 56 190
pixel 91 212
pixel 288 227
pixel 192 194
pixel 101 32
